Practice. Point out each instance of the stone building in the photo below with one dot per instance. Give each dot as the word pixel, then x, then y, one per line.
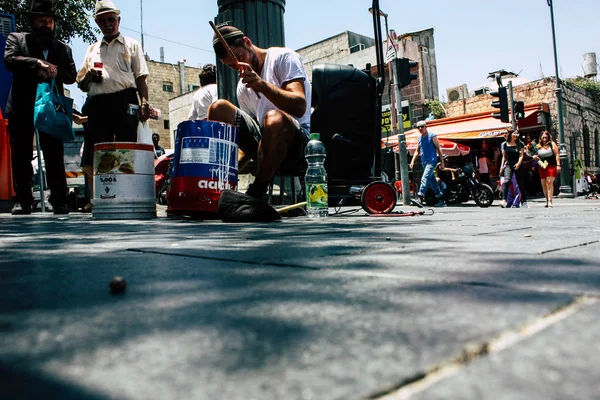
pixel 349 48
pixel 344 48
pixel 581 116
pixel 179 110
pixel 165 82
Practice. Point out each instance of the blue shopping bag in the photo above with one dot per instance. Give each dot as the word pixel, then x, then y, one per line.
pixel 53 112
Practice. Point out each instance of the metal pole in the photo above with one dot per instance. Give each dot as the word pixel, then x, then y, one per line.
pixel 40 171
pixel 393 112
pixel 512 106
pixel 142 24
pixel 401 140
pixel 565 188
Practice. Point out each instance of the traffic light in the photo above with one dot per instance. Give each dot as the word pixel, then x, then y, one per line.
pixel 404 76
pixel 519 109
pixel 501 103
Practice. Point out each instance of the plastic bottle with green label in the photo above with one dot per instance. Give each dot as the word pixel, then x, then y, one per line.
pixel 317 205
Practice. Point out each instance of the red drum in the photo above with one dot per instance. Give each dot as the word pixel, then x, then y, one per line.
pixel 205 163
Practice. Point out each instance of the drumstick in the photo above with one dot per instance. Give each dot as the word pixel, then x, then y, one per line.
pixel 228 49
pixel 291 207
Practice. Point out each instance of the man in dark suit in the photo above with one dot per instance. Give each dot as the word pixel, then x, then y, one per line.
pixel 32 58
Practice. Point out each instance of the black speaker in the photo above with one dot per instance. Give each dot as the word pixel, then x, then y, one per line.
pixel 345 115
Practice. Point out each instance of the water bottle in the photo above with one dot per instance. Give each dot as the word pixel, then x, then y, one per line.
pixel 317 205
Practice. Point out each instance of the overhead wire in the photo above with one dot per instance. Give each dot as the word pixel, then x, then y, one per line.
pixel 169 41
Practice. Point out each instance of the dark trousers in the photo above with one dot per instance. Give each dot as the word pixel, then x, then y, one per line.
pixel 109 121
pixel 484 178
pixel 21 143
pixel 508 174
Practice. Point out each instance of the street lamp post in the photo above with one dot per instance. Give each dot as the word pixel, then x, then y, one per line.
pixel 565 188
pixel 400 159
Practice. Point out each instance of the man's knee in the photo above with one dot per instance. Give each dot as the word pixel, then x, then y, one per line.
pixel 277 125
pixel 222 110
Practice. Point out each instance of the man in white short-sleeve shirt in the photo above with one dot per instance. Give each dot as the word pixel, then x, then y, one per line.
pixel 274 114
pixel 206 95
pixel 113 74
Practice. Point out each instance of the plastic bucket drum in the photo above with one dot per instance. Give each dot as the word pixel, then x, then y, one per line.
pixel 124 181
pixel 205 162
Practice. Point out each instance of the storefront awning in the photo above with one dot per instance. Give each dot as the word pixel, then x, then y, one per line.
pixel 475 126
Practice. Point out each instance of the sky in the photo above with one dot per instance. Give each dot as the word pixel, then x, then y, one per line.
pixel 472 37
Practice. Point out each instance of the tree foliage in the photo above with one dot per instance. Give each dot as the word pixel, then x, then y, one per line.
pixel 437 108
pixel 592 87
pixel 74 21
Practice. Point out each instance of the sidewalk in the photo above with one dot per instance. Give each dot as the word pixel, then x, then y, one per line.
pixel 468 303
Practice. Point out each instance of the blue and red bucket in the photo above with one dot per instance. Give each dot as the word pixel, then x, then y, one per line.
pixel 205 163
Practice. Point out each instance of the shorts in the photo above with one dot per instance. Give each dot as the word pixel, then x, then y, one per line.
pixel 549 171
pixel 251 134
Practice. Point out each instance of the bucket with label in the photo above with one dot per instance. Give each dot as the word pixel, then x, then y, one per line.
pixel 124 181
pixel 205 162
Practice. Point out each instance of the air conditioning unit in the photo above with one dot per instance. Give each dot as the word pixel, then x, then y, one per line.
pixel 458 92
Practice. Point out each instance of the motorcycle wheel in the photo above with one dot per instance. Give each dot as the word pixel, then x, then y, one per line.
pixel 484 196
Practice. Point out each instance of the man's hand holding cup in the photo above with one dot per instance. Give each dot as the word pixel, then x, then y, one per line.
pixel 95 74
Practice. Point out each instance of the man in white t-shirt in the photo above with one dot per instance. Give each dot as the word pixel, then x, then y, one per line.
pixel 274 114
pixel 206 95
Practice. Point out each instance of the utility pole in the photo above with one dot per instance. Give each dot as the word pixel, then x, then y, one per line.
pixel 565 188
pixel 399 127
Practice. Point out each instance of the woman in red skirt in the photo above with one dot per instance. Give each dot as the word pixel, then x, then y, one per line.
pixel 548 165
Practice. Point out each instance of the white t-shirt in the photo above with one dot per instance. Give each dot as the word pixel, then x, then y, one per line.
pixel 483 165
pixel 203 98
pixel 281 65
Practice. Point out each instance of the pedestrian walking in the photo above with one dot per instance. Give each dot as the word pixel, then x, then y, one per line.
pixel 428 148
pixel 548 165
pixel 512 159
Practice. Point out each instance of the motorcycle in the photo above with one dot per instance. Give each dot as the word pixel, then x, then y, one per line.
pixel 460 185
pixel 162 177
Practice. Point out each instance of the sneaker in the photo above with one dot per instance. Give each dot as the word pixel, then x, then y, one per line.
pixel 524 205
pixel 417 202
pixel 440 203
pixel 19 209
pixel 502 204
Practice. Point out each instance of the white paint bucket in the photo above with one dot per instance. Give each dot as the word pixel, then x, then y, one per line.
pixel 124 181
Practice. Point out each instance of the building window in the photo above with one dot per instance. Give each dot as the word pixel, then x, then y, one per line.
pixel 587 154
pixel 168 87
pixel 597 147
pixel 166 124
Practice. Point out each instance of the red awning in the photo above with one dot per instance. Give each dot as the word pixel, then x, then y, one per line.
pixel 448 147
pixel 473 126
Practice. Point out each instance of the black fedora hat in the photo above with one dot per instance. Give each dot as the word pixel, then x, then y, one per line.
pixel 42 7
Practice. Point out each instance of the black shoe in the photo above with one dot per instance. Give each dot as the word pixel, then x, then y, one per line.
pixel 19 209
pixel 238 207
pixel 61 209
pixel 417 202
pixel 258 191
